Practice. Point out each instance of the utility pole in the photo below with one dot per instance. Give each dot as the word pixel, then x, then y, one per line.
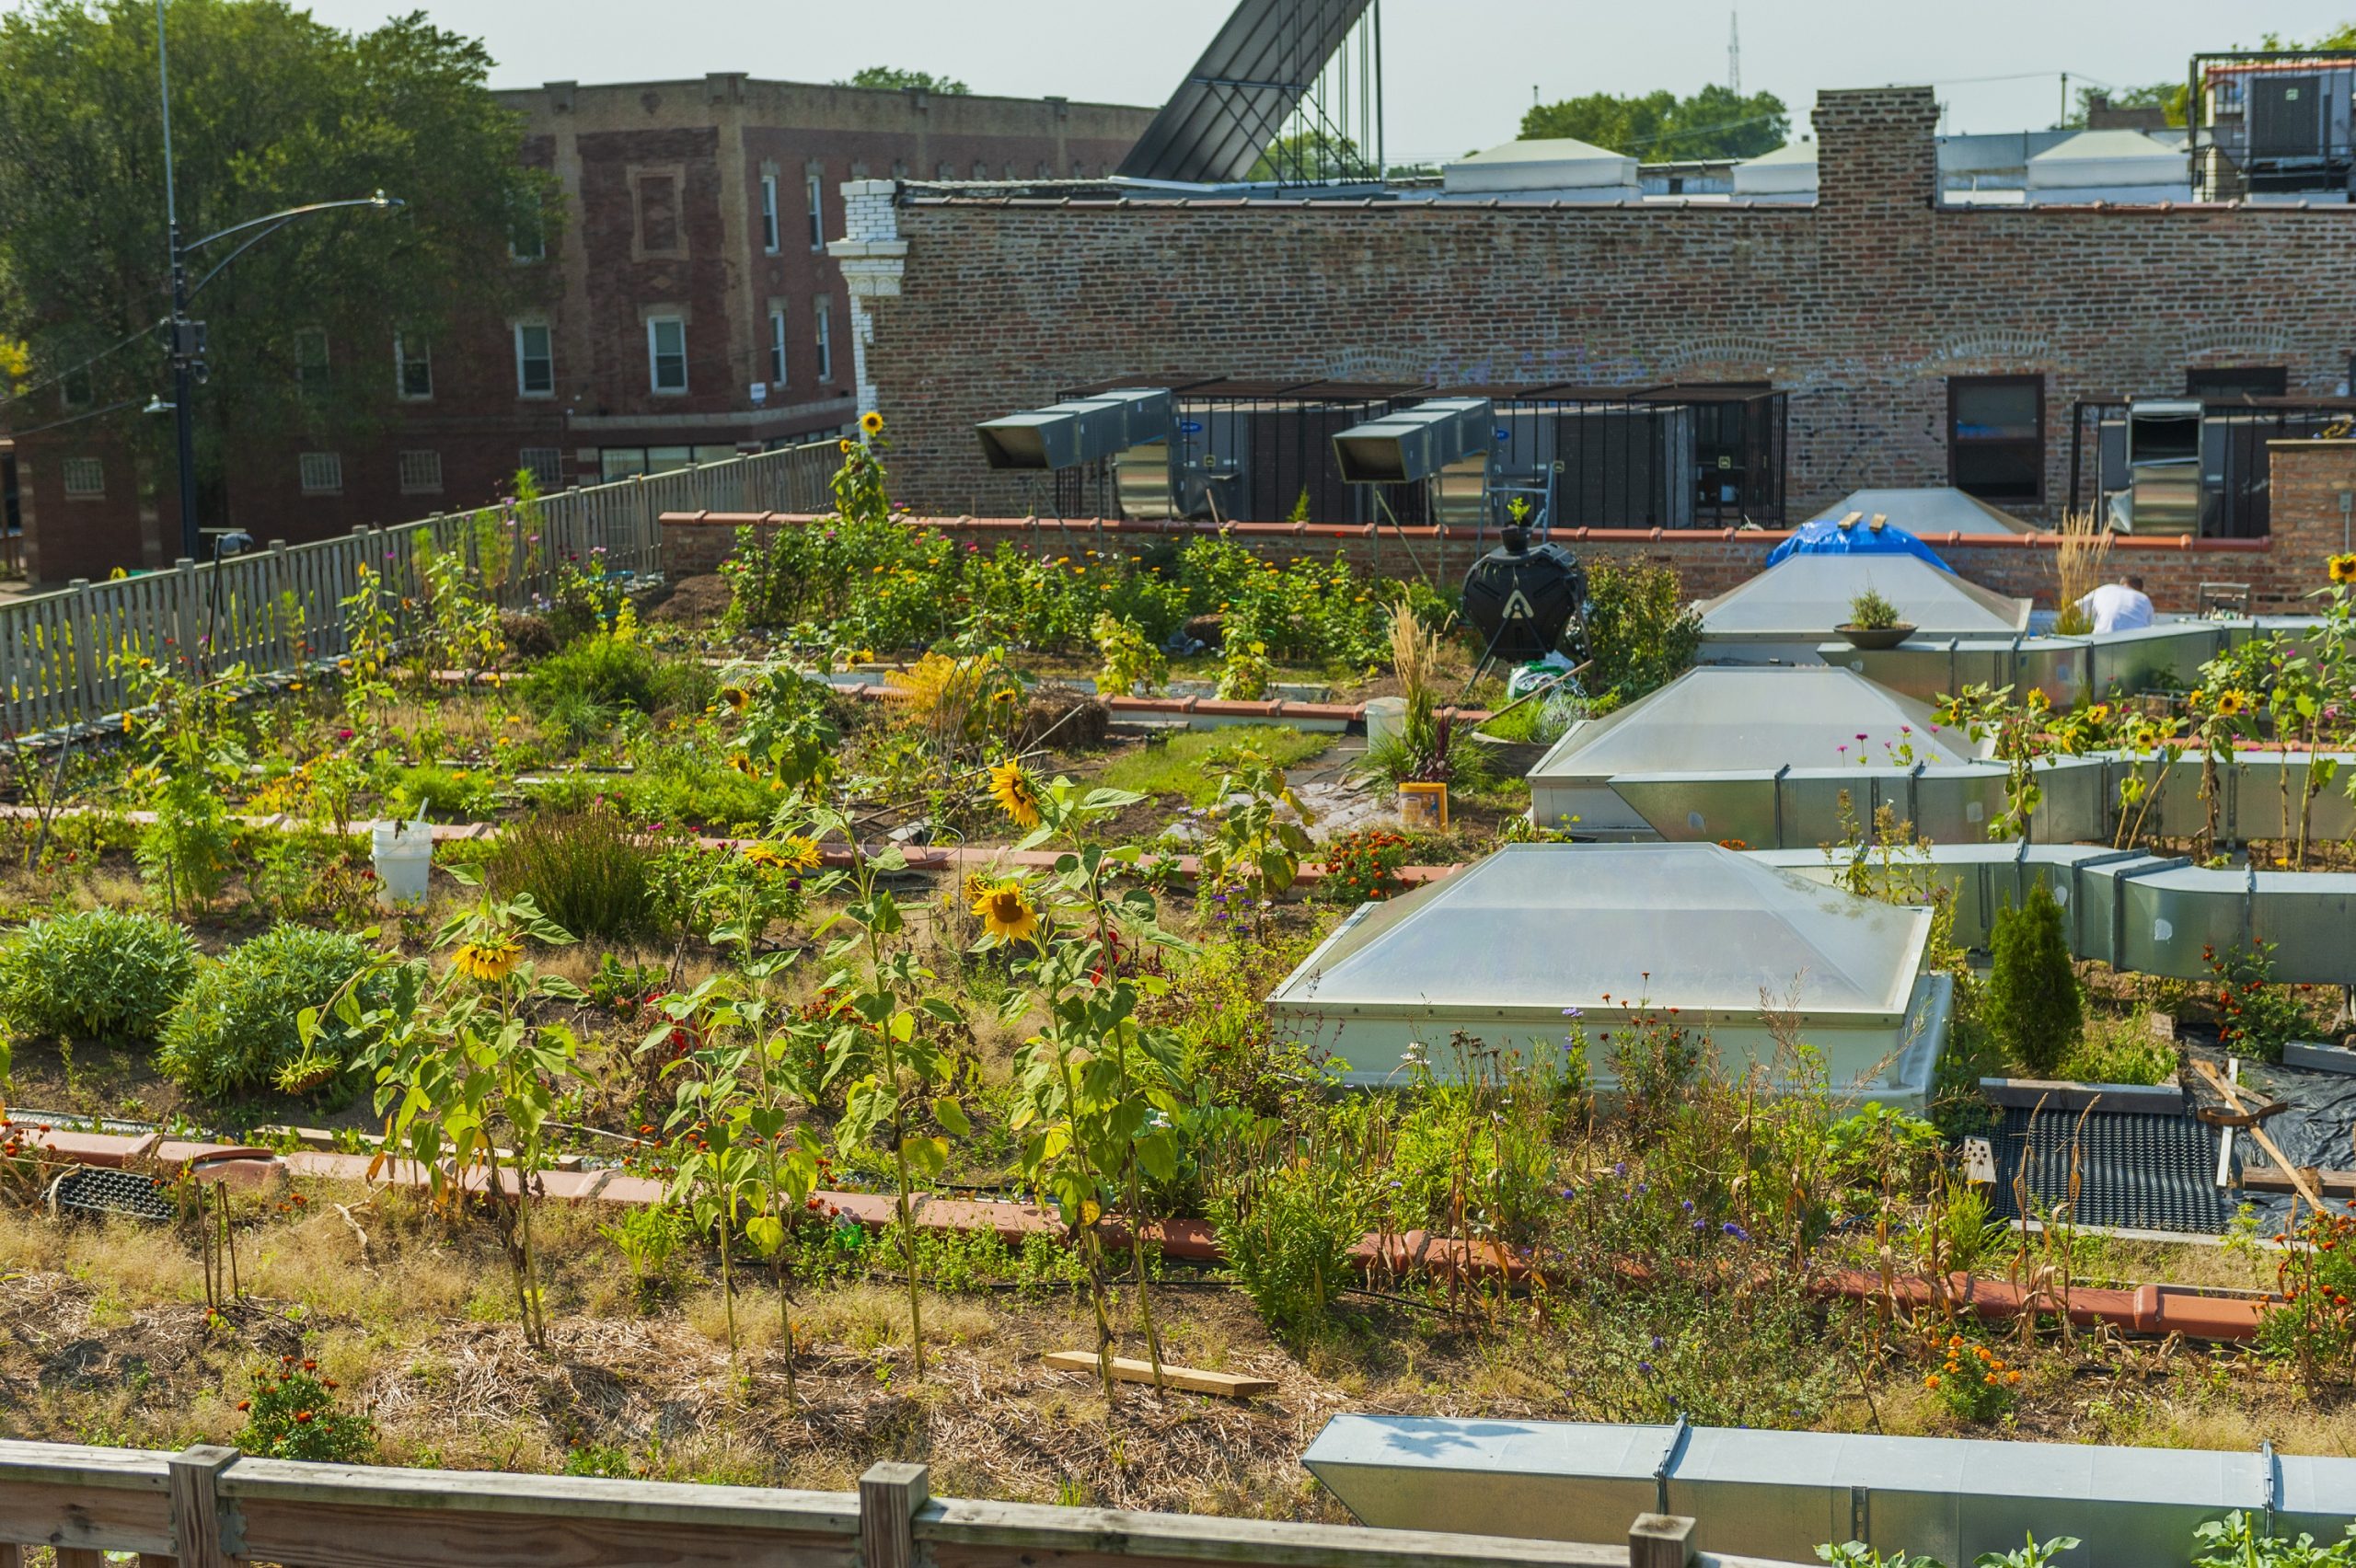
pixel 1734 52
pixel 2063 117
pixel 187 336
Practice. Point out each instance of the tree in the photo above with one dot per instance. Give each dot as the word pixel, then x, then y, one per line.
pixel 895 78
pixel 270 110
pixel 1660 127
pixel 2165 97
pixel 2033 1001
pixel 2341 37
pixel 1312 156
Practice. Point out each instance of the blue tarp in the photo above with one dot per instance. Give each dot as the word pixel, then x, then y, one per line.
pixel 1826 537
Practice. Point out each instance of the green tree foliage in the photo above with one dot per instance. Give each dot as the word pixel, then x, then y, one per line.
pixel 892 78
pixel 1641 631
pixel 1660 127
pixel 2166 97
pixel 2033 1000
pixel 1312 156
pixel 2341 37
pixel 270 110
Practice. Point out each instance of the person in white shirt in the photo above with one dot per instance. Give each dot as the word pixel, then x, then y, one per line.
pixel 2117 607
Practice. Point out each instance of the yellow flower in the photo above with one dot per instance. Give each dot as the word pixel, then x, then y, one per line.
pixel 1931 1380
pixel 844 444
pixel 490 961
pixel 741 763
pixel 1005 913
pixel 735 697
pixel 871 423
pixel 1016 792
pixel 2232 701
pixel 763 855
pixel 798 852
pixel 2343 568
pixel 2038 702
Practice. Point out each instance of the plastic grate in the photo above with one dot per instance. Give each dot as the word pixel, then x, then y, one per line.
pixel 92 1192
pixel 2144 1172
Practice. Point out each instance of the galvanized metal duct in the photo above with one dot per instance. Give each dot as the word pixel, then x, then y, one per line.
pixel 2165 657
pixel 1781 1493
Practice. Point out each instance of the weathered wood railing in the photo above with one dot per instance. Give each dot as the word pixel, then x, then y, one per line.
pixel 208 1507
pixel 68 658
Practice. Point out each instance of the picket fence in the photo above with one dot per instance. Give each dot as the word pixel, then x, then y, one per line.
pixel 69 660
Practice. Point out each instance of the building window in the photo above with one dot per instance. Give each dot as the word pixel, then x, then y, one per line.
pixel 2238 381
pixel 74 388
pixel 535 361
pixel 945 170
pixel 769 213
pixel 527 229
pixel 321 473
pixel 414 368
pixel 981 169
pixel 311 359
pixel 666 354
pixel 826 308
pixel 545 464
pixel 620 462
pixel 658 214
pixel 421 473
pixel 777 345
pixel 84 477
pixel 1996 436
pixel 815 189
pixel 899 168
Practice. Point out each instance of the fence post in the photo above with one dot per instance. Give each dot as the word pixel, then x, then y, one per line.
pixel 184 608
pixel 889 1496
pixel 194 1474
pixel 649 541
pixel 1660 1540
pixel 86 654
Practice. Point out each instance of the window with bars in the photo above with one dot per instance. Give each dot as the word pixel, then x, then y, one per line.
pixel 815 189
pixel 546 464
pixel 321 473
pixel 535 361
pixel 84 476
pixel 769 213
pixel 421 473
pixel 412 368
pixel 777 345
pixel 666 354
pixel 826 309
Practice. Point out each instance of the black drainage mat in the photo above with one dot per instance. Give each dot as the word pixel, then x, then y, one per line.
pixel 93 1191
pixel 2142 1172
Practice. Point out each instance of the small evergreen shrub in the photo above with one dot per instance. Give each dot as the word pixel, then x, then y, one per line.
pixel 590 872
pixel 2033 1001
pixel 234 1026
pixel 99 974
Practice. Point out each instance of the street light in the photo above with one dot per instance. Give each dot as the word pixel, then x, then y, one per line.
pixel 187 336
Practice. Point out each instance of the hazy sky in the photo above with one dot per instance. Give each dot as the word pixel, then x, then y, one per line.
pixel 1457 74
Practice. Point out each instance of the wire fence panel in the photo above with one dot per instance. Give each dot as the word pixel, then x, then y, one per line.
pixel 70 658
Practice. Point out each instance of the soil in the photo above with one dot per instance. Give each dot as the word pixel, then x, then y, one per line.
pixel 690 601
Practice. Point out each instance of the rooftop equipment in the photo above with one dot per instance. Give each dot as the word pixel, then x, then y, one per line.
pixel 1417 443
pixel 1074 433
pixel 1778 1494
pixel 1256 104
pixel 1526 601
pixel 1497 950
pixel 2110 165
pixel 1783 615
pixel 1556 168
pixel 2273 124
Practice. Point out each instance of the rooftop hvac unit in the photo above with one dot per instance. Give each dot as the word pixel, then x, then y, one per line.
pixel 1627 467
pixel 1068 435
pixel 1414 443
pixel 2286 117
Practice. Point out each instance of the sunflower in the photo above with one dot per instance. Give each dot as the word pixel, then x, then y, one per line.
pixel 2343 568
pixel 1005 913
pixel 798 852
pixel 763 854
pixel 871 423
pixel 735 697
pixel 1016 792
pixel 741 763
pixel 2231 701
pixel 844 444
pixel 491 960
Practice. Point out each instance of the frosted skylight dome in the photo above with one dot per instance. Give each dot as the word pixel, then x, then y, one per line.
pixel 1788 609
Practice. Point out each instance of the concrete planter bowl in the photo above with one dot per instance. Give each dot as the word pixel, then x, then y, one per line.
pixel 1876 639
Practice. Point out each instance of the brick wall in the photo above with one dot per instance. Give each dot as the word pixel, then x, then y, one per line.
pixel 1863 305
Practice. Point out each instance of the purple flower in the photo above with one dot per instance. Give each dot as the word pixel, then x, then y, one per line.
pixel 1619 1168
pixel 1646 1367
pixel 1573 1012
pixel 1656 1341
pixel 1737 1231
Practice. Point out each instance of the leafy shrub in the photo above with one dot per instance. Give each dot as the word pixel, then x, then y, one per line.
pixel 432 790
pixel 1133 667
pixel 2233 1541
pixel 235 1025
pixel 1641 632
pixel 1287 1239
pixel 2254 1016
pixel 189 851
pixel 2119 1054
pixel 591 873
pixel 1870 611
pixel 687 786
pixel 609 672
pixel 2313 1326
pixel 292 1415
pixel 99 974
pixel 312 872
pixel 1362 865
pixel 2032 1000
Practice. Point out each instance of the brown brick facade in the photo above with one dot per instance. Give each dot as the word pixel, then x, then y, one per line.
pixel 1863 305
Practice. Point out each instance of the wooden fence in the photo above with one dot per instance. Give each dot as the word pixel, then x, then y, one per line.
pixel 208 1507
pixel 70 658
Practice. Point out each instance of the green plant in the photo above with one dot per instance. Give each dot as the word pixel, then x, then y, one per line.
pixel 97 975
pixel 1288 1234
pixel 236 1023
pixel 2031 1553
pixel 2233 1541
pixel 786 735
pixel 462 619
pixel 1857 1554
pixel 589 871
pixel 2313 1326
pixel 1259 831
pixel 609 671
pixel 1133 667
pixel 1641 632
pixel 292 1415
pixel 1972 1381
pixel 2118 1051
pixel 2033 1001
pixel 431 790
pixel 1245 673
pixel 2256 1016
pixel 1869 611
pixel 1362 865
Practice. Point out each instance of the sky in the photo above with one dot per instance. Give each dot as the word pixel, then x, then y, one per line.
pixel 1457 74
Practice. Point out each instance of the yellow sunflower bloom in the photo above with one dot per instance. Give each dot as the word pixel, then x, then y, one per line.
pixel 844 444
pixel 1016 792
pixel 1005 913
pixel 488 962
pixel 763 855
pixel 2231 701
pixel 798 852
pixel 2343 568
pixel 2038 702
pixel 735 697
pixel 741 763
pixel 871 423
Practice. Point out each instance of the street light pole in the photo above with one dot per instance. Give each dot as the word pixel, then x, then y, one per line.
pixel 183 330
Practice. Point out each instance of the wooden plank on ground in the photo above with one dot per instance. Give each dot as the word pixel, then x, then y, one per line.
pixel 1227 1385
pixel 2216 1080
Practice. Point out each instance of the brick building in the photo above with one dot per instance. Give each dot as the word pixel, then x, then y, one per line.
pixel 691 312
pixel 1919 343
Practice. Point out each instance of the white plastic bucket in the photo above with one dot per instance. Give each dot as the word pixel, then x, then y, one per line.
pixel 1384 716
pixel 403 852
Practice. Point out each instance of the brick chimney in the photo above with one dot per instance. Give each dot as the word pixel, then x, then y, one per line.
pixel 1876 147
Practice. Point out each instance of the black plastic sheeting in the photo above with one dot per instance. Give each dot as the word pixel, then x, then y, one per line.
pixel 2316 1130
pixel 2141 1172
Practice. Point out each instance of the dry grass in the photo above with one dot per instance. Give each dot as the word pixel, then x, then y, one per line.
pixel 2081 551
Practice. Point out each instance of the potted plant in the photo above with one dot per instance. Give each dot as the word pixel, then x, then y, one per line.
pixel 1873 622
